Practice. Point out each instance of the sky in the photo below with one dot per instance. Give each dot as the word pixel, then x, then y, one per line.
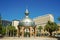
pixel 15 9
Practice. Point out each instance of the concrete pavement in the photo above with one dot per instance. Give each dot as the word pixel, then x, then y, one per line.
pixel 27 38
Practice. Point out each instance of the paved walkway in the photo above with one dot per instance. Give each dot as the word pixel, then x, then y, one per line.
pixel 27 38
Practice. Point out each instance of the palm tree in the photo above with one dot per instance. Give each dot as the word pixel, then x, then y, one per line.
pixel 39 28
pixel 3 31
pixel 51 27
pixel 12 30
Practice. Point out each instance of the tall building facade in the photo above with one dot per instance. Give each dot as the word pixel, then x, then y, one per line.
pixel 42 20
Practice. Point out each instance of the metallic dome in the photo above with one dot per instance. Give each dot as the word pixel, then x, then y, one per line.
pixel 27 21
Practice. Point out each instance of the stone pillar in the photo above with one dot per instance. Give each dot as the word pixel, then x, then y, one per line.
pixel 22 31
pixel 18 31
pixel 35 32
pixel 30 31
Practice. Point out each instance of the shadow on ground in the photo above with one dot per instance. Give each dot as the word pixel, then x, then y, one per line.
pixel 58 38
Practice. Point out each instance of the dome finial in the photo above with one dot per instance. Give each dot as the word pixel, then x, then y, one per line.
pixel 26 12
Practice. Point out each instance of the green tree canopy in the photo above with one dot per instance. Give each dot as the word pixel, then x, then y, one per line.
pixel 11 30
pixel 50 27
pixel 39 28
pixel 3 31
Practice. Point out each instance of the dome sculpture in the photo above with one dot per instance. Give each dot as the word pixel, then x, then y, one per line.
pixel 27 21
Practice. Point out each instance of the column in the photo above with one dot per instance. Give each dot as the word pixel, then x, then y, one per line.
pixel 35 32
pixel 18 31
pixel 30 31
pixel 22 31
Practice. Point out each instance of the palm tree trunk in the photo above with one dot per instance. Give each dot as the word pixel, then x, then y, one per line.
pixel 13 33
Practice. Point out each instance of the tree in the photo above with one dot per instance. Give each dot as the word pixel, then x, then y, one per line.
pixel 0 25
pixel 12 30
pixel 39 28
pixel 51 27
pixel 3 31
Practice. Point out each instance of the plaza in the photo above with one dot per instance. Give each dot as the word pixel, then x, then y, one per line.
pixel 28 38
pixel 29 20
pixel 27 27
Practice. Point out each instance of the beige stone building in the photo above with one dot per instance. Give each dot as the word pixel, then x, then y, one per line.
pixel 42 20
pixel 15 23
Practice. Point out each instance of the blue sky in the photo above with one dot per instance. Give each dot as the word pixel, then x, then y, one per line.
pixel 15 9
